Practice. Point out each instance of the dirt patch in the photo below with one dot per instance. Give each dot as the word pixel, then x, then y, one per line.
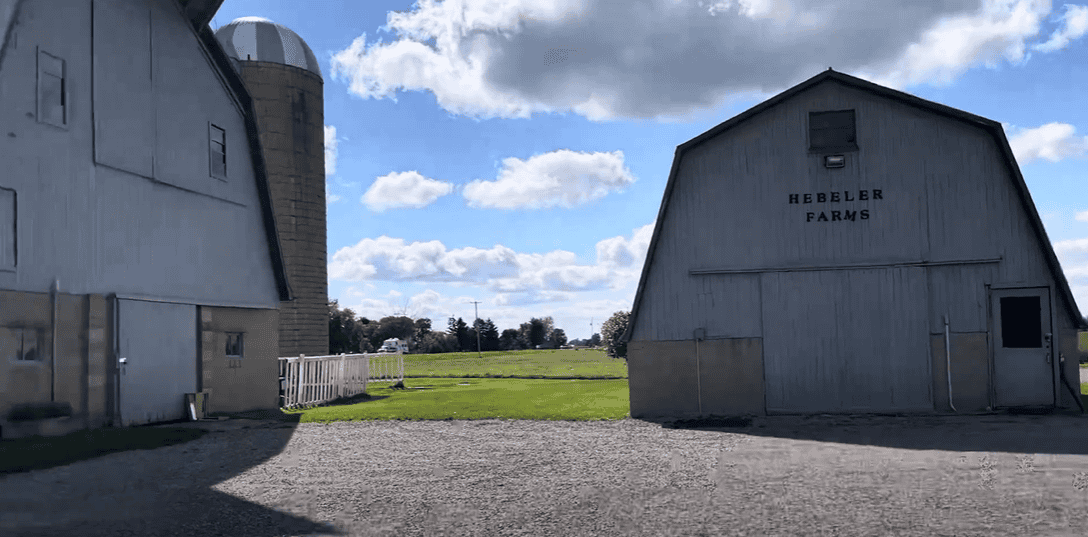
pixel 824 475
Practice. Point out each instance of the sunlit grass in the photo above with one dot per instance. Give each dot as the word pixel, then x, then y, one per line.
pixel 477 398
pixel 529 363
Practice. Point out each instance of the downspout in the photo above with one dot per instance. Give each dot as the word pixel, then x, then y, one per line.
pixel 53 290
pixel 1065 380
pixel 699 334
pixel 948 360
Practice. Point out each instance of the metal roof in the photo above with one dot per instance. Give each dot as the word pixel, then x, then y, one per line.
pixel 261 40
pixel 991 127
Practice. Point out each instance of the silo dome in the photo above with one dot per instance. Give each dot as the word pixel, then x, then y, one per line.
pixel 259 39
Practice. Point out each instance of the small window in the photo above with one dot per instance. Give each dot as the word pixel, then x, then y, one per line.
pixel 1021 322
pixel 21 344
pixel 7 229
pixel 832 131
pixel 218 151
pixel 234 345
pixel 52 94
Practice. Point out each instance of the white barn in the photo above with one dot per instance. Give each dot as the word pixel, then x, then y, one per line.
pixel 139 259
pixel 809 251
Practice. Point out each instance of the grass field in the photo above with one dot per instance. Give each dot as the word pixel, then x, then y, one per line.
pixel 482 398
pixel 563 363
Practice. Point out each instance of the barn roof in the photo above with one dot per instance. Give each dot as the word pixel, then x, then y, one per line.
pixel 992 127
pixel 200 13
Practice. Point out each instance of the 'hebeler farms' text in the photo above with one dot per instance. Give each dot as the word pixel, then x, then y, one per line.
pixel 845 215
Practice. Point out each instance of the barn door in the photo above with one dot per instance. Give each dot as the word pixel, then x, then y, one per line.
pixel 846 341
pixel 1023 371
pixel 157 361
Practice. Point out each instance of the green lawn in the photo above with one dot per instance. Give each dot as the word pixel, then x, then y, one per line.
pixel 530 363
pixel 481 398
pixel 24 454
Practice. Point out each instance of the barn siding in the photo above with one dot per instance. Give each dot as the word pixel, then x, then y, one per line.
pixel 846 340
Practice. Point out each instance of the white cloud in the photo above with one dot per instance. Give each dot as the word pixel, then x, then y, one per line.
pixel 404 189
pixel 1074 26
pixel 499 269
pixel 1082 216
pixel 1071 246
pixel 558 178
pixel 332 198
pixel 330 150
pixel 1053 142
pixel 669 58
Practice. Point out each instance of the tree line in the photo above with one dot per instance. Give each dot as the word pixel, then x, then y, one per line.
pixel 349 334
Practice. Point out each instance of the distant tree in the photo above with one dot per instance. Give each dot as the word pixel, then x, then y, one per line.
pixel 489 335
pixel 402 328
pixel 537 332
pixel 460 332
pixel 595 340
pixel 508 341
pixel 435 342
pixel 422 326
pixel 524 340
pixel 577 342
pixel 559 337
pixel 612 332
pixel 345 335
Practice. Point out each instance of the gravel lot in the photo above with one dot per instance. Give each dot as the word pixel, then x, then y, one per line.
pixel 961 475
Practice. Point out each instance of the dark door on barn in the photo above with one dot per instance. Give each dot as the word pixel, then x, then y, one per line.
pixel 157 361
pixel 1023 367
pixel 846 341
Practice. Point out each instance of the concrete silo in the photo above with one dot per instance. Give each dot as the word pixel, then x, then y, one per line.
pixel 284 80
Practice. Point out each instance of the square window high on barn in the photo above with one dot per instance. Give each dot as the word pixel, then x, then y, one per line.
pixel 217 151
pixel 832 131
pixel 21 344
pixel 235 345
pixel 52 93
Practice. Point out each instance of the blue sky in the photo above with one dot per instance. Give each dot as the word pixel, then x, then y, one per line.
pixel 515 152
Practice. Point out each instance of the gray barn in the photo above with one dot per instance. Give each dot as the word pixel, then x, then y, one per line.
pixel 139 259
pixel 809 251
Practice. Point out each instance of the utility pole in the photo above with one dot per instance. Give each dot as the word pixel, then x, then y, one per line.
pixel 477 324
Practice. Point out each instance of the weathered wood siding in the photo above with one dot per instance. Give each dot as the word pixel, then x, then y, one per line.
pixel 121 199
pixel 846 340
pixel 945 195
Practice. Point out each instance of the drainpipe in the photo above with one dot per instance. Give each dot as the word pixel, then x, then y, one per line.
pixel 948 360
pixel 53 290
pixel 699 334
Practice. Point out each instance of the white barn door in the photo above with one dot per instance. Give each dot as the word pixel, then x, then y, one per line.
pixel 846 341
pixel 158 360
pixel 1023 361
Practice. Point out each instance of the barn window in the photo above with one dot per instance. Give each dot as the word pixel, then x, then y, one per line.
pixel 7 229
pixel 234 345
pixel 52 98
pixel 218 151
pixel 1021 322
pixel 20 344
pixel 832 131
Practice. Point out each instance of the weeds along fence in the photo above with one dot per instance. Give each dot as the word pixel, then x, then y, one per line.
pixel 311 380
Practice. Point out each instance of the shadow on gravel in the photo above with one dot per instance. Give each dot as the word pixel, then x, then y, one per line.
pixel 1055 433
pixel 164 491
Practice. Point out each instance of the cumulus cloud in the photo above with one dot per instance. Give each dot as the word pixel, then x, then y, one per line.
pixel 559 178
pixel 1071 246
pixel 1082 216
pixel 331 198
pixel 499 268
pixel 668 58
pixel 1074 25
pixel 1053 142
pixel 404 189
pixel 330 150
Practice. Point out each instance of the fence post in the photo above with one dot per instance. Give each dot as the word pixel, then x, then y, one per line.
pixel 301 371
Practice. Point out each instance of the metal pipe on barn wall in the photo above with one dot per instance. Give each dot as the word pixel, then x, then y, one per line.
pixel 699 334
pixel 948 360
pixel 53 291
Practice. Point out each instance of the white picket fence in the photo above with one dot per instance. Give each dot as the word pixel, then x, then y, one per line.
pixel 310 380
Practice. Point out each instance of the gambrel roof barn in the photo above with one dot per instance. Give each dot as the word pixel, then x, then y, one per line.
pixel 845 247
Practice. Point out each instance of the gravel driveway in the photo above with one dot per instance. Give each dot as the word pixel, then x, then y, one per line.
pixel 960 475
